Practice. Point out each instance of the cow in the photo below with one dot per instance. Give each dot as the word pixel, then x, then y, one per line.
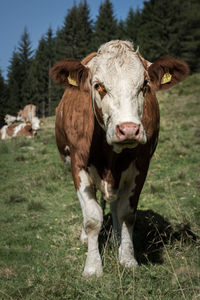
pixel 107 124
pixel 23 129
pixel 27 114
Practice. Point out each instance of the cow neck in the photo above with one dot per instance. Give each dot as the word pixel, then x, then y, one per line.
pixel 95 113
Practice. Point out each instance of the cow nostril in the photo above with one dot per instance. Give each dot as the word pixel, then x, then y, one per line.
pixel 119 131
pixel 128 131
pixel 137 131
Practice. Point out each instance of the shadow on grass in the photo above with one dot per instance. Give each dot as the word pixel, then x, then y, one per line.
pixel 151 233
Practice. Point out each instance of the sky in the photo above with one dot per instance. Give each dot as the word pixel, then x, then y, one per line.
pixel 37 16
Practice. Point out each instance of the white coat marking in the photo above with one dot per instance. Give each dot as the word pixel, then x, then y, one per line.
pixel 18 128
pixel 92 222
pixel 3 132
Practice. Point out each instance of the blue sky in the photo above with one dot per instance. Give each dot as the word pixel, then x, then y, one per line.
pixel 37 16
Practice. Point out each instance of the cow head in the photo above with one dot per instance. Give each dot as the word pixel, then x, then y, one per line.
pixel 35 124
pixel 119 79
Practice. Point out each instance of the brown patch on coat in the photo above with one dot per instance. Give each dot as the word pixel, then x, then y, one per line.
pixel 99 114
pixel 10 130
pixel 26 131
pixel 151 114
pixel 74 128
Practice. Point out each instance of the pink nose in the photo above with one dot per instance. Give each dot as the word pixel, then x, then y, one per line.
pixel 128 131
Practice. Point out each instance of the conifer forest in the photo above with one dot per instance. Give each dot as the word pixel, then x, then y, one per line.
pixel 160 28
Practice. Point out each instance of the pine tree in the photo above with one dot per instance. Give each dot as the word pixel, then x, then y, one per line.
pixel 132 25
pixel 121 31
pixel 38 76
pixel 14 84
pixel 154 30
pixel 3 99
pixel 189 35
pixel 74 39
pixel 67 35
pixel 171 28
pixel 25 57
pixel 50 52
pixel 106 25
pixel 40 90
pixel 17 74
pixel 84 30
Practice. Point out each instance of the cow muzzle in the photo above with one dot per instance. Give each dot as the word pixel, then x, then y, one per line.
pixel 128 133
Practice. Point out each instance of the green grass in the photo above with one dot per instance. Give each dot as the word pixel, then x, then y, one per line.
pixel 41 256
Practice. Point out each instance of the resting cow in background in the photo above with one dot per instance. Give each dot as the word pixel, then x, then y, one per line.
pixel 108 123
pixel 27 114
pixel 23 129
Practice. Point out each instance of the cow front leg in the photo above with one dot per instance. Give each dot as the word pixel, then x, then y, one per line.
pixel 92 222
pixel 126 217
pixel 115 221
pixel 83 237
pixel 126 250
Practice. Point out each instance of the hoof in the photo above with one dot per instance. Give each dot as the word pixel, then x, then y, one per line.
pixel 92 271
pixel 130 262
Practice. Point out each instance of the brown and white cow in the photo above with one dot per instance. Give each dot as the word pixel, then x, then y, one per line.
pixel 23 129
pixel 108 123
pixel 27 114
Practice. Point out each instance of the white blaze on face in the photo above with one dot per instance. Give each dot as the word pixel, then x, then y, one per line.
pixel 118 68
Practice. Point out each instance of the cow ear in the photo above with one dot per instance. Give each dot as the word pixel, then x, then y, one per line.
pixel 166 72
pixel 70 72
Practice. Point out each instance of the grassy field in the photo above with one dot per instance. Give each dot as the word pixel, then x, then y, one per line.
pixel 41 256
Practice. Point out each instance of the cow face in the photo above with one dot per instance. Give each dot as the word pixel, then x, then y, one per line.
pixel 118 83
pixel 119 79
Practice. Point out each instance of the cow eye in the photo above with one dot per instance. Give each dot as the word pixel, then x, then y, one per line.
pixel 100 89
pixel 97 85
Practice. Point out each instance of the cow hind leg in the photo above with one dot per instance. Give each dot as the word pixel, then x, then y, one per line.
pixel 92 222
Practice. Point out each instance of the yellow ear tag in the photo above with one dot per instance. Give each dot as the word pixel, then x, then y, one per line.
pixel 72 81
pixel 167 77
